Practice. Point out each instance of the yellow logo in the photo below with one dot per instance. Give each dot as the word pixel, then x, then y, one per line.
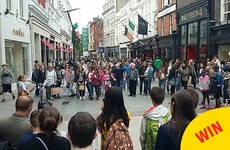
pixel 209 130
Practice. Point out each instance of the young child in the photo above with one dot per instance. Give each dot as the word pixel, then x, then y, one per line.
pixel 204 82
pixel 153 118
pixel 33 122
pixel 21 86
pixel 107 80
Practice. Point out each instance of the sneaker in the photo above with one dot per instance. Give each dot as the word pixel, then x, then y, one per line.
pixel 208 107
pixel 80 98
pixel 202 107
pixel 3 100
pixel 96 98
pixel 83 98
pixel 91 98
pixel 140 93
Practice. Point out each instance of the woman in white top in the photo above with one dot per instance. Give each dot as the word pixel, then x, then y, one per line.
pixel 51 78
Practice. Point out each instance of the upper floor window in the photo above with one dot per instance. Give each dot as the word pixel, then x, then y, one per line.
pixel 162 4
pixel 162 26
pixel 8 5
pixel 21 8
pixel 226 10
pixel 171 23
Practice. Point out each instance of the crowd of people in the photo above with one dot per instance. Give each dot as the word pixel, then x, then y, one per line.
pixel 161 128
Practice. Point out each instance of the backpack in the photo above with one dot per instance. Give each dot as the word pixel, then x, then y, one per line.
pixel 152 130
pixel 5 145
pixel 118 137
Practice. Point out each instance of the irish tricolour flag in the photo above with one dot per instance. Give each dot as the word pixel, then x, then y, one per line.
pixel 76 29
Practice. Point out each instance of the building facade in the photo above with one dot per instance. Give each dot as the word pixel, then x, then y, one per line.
pixel 221 31
pixel 194 34
pixel 33 30
pixel 50 30
pixel 143 46
pixel 109 10
pixel 15 37
pixel 96 36
pixel 166 26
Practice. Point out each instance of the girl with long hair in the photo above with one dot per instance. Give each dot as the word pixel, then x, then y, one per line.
pixel 114 114
pixel 183 112
pixel 80 79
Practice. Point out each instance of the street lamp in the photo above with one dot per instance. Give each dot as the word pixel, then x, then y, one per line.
pixel 73 40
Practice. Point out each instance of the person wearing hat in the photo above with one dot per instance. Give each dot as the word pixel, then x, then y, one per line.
pixel 133 77
pixel 7 79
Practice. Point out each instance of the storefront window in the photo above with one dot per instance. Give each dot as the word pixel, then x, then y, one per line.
pixel 226 10
pixel 183 41
pixel 183 34
pixel 203 39
pixel 192 33
pixel 17 58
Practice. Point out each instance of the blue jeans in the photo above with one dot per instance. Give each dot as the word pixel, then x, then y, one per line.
pixel 71 88
pixel 118 83
pixel 178 84
pixel 147 86
pixel 161 84
pixel 90 89
pixel 37 90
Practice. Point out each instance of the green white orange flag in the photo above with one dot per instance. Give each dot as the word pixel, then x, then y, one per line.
pixel 128 34
pixel 76 29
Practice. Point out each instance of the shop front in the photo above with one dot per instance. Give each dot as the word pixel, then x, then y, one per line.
pixel 192 31
pixel 221 41
pixel 14 45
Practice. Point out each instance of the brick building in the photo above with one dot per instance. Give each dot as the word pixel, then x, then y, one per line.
pixel 166 26
pixel 96 35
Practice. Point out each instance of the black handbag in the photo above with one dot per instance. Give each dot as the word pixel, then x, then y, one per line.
pixel 67 85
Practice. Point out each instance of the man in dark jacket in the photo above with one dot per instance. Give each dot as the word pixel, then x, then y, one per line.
pixel 141 76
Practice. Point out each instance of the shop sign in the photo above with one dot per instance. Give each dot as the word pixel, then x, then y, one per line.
pixel 193 14
pixel 18 32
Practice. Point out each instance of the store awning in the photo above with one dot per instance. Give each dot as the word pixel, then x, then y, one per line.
pixel 62 48
pixel 51 47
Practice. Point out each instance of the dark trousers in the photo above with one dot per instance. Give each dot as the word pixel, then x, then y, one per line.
pixel 141 84
pixel 48 92
pixel 145 86
pixel 97 90
pixel 185 84
pixel 132 87
pixel 206 95
pixel 37 90
pixel 172 89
